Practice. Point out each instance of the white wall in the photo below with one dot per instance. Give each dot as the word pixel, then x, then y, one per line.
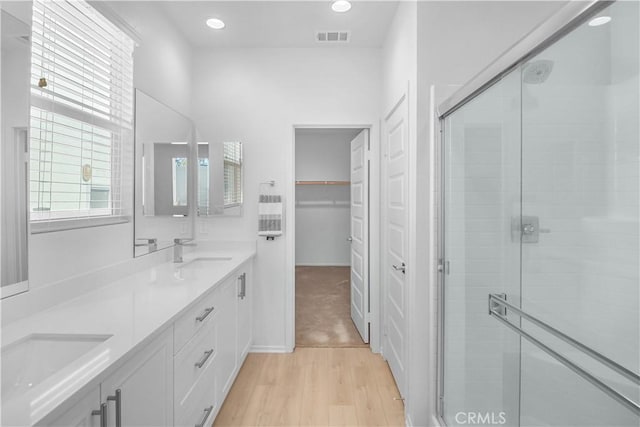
pixel 162 65
pixel 256 96
pixel 162 68
pixel 163 61
pixel 322 228
pixel 455 40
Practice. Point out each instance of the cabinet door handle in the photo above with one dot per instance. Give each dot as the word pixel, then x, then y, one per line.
pixel 200 363
pixel 207 311
pixel 118 399
pixel 207 412
pixel 103 414
pixel 243 285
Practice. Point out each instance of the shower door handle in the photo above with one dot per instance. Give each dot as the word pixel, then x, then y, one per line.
pixel 530 229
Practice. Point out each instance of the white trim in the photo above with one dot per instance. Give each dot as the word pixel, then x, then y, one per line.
pixel 74 223
pixel 375 287
pixel 14 289
pixel 407 420
pixel 117 20
pixel 375 333
pixel 435 422
pixel 269 349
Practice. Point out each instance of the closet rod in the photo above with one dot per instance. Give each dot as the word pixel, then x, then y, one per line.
pixel 323 182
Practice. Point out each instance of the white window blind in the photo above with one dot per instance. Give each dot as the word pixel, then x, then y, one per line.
pixel 81 112
pixel 232 174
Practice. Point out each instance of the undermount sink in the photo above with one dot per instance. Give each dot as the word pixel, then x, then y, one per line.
pixel 31 360
pixel 203 262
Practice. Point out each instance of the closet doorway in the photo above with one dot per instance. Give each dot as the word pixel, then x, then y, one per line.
pixel 331 237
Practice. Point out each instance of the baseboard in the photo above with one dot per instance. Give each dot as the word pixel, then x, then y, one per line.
pixel 268 349
pixel 436 421
pixel 321 264
pixel 407 420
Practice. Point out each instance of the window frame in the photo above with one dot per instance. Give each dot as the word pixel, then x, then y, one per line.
pixel 119 124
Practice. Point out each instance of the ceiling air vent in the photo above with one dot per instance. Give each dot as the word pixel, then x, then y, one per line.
pixel 333 36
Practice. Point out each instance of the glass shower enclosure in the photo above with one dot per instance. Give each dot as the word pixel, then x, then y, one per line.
pixel 540 290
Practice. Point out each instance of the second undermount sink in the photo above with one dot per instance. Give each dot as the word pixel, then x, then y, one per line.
pixel 204 262
pixel 31 360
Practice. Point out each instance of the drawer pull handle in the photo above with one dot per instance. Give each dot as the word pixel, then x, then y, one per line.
pixel 207 412
pixel 207 311
pixel 205 357
pixel 118 399
pixel 102 412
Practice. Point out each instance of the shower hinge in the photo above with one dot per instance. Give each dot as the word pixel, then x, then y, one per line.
pixel 443 266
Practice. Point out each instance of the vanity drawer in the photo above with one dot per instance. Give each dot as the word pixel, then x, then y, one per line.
pixel 200 401
pixel 195 359
pixel 193 320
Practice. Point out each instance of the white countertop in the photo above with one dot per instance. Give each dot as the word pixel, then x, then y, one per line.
pixel 133 310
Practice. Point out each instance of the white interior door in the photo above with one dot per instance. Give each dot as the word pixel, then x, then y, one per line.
pixel 359 235
pixel 395 180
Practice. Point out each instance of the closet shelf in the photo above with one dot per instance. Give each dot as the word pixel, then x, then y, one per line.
pixel 323 182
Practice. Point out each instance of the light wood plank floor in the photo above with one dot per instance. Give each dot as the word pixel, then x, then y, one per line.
pixel 313 387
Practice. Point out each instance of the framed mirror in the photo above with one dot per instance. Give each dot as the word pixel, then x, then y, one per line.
pixel 14 150
pixel 220 179
pixel 164 178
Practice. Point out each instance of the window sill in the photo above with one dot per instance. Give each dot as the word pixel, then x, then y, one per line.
pixel 72 224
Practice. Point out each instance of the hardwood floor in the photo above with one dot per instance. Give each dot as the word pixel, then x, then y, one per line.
pixel 313 387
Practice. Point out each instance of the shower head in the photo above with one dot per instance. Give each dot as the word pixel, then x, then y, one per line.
pixel 537 72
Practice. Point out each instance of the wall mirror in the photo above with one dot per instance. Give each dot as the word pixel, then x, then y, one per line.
pixel 220 179
pixel 164 177
pixel 14 154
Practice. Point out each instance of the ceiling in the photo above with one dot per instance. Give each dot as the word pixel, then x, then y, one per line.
pixel 279 23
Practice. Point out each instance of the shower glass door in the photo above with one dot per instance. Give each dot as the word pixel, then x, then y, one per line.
pixel 482 185
pixel 580 187
pixel 541 207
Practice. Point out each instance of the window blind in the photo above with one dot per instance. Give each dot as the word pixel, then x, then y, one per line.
pixel 81 112
pixel 232 174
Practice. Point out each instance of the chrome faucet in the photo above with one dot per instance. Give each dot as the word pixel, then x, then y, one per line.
pixel 152 243
pixel 177 248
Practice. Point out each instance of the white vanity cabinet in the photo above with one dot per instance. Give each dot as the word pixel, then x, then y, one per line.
pixel 182 376
pixel 138 393
pixel 245 312
pixel 221 345
pixel 81 414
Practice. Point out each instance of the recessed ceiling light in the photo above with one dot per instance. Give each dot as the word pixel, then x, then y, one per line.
pixel 600 20
pixel 341 6
pixel 215 23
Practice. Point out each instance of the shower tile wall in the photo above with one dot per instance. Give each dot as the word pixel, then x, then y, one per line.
pixel 580 176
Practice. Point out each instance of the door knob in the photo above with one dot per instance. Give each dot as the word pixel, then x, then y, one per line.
pixel 349 239
pixel 402 268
